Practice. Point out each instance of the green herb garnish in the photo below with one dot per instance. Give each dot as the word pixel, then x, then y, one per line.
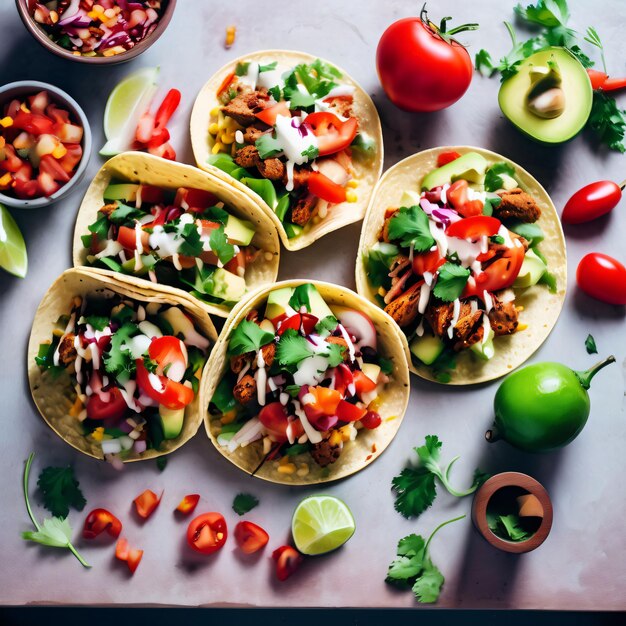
pixel 590 345
pixel 493 180
pixel 248 337
pixel 244 502
pixel 60 490
pixel 119 359
pixel 219 244
pixel 451 281
pixel 410 226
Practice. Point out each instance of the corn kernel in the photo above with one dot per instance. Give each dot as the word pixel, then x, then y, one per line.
pixel 519 308
pixel 228 138
pixel 346 432
pixel 374 405
pixel 218 147
pixel 76 408
pixel 98 434
pixel 5 181
pixel 351 196
pixel 6 122
pixel 24 107
pixel 228 417
pixel 231 31
pixel 352 183
pixel 57 332
pixel 303 470
pixel 284 460
pixel 289 468
pixel 382 291
pixel 335 438
pixel 521 327
pixel 215 111
pixel 54 17
pixel 59 152
pixel 267 445
pixel 214 129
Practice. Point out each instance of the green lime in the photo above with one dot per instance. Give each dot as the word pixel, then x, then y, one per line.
pixel 321 524
pixel 12 247
pixel 128 101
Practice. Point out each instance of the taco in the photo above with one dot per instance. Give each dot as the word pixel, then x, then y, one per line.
pixel 308 383
pixel 115 370
pixel 297 134
pixel 165 224
pixel 464 249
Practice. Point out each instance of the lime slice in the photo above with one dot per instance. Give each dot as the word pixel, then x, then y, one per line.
pixel 128 101
pixel 12 247
pixel 321 524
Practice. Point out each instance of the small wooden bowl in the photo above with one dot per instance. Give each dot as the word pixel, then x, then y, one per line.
pixel 522 481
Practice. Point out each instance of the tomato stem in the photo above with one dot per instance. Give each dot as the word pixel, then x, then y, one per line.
pixel 441 30
pixel 585 376
pixel 622 185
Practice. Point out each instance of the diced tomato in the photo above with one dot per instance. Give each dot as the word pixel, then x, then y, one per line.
pixel 39 102
pixel 146 503
pixel 304 321
pixel 72 157
pixel 172 395
pixel 474 227
pixel 167 108
pixel 165 151
pixel 225 84
pixel 326 400
pixel 208 227
pixel 343 378
pixel 207 533
pixel 332 134
pixel 196 200
pixel 250 538
pixel 68 133
pixel 371 420
pixel 597 78
pixel 59 116
pixel 269 115
pixel 27 189
pixel 457 193
pixel 188 504
pixel 187 262
pixel 132 557
pixel 114 409
pixel 25 173
pixel 12 108
pixel 429 261
pixel 236 263
pixel 145 128
pixel 100 521
pixel 287 560
pixel 274 417
pixel 471 208
pixel 33 123
pixel 50 165
pixel 447 157
pixel 322 187
pixel 127 237
pixel 151 194
pixel 362 383
pixel 46 183
pixel 12 162
pixel 348 412
pixel 170 354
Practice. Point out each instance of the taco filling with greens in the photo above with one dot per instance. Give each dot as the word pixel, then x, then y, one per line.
pixel 182 238
pixel 134 367
pixel 302 378
pixel 290 134
pixel 450 260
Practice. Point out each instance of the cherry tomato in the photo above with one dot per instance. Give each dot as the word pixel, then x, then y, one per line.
pixel 288 560
pixel 132 557
pixel 371 420
pixel 499 275
pixel 113 410
pixel 146 503
pixel 322 187
pixel 304 321
pixel 429 261
pixel 269 115
pixel 166 109
pixel 420 67
pixel 172 395
pixel 188 503
pixel 333 134
pixel 250 538
pixel 362 383
pixel 602 277
pixel 474 227
pixel 348 412
pixel 207 533
pixel 127 237
pixel 447 157
pixel 591 202
pixel 274 417
pixel 100 521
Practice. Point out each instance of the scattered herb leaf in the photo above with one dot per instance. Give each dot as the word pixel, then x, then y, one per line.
pixel 590 345
pixel 60 490
pixel 244 502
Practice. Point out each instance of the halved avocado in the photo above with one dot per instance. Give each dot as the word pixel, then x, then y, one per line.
pixel 565 114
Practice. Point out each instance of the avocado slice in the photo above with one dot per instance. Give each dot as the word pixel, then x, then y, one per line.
pixel 239 231
pixel 277 302
pixel 427 348
pixel 484 349
pixel 471 167
pixel 227 286
pixel 123 191
pixel 551 69
pixel 533 268
pixel 171 421
pixel 319 308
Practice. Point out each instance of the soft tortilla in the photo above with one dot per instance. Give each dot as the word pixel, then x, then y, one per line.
pixel 138 167
pixel 370 443
pixel 541 308
pixel 367 173
pixel 55 396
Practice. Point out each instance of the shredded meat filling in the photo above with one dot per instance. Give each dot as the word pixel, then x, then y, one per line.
pixel 519 205
pixel 244 107
pixel 245 390
pixel 302 212
pixel 67 351
pixel 503 317
pixel 324 453
pixel 404 308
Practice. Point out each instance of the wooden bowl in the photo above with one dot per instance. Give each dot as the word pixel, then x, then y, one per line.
pixel 521 481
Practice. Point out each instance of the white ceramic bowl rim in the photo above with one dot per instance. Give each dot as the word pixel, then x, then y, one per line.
pixel 34 86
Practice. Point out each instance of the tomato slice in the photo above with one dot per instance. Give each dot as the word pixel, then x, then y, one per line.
pixel 348 412
pixel 207 533
pixel 287 560
pixel 146 503
pixel 322 187
pixel 447 157
pixel 50 165
pixel 274 417
pixel 457 193
pixel 100 521
pixel 172 394
pixel 304 321
pixel 269 115
pixel 429 261
pixel 471 208
pixel 332 134
pixel 362 383
pixel 474 227
pixel 33 123
pixel 250 537
pixel 170 354
pixel 499 275
pixel 132 557
pixel 188 503
pixel 225 84
pixel 167 108
pixel 127 237
pixel 195 200
pixel 113 410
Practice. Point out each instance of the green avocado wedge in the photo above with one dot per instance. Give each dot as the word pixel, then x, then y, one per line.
pixel 549 98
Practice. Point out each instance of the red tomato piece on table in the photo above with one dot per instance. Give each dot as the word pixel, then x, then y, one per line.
pixel 250 537
pixel 100 521
pixel 287 560
pixel 188 503
pixel 146 503
pixel 167 108
pixel 474 227
pixel 591 202
pixel 165 151
pixel 207 533
pixel 602 277
pixel 333 134
pixel 131 556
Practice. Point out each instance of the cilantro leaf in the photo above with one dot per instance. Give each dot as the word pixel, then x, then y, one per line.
pixel 590 345
pixel 493 180
pixel 244 502
pixel 267 68
pixel 297 99
pixel 608 121
pixel 509 527
pixel 451 281
pixel 326 325
pixel 99 322
pixel 334 354
pixel 300 297
pixel 378 262
pixel 410 227
pixel 484 64
pixel 124 213
pixel 416 491
pixel 311 153
pixel 428 585
pixel 293 390
pixel 248 337
pixel 404 568
pixel 491 204
pixel 275 93
pixel 192 244
pixel 549 13
pixel 119 359
pixel 45 358
pixel 100 228
pixel 60 490
pixel 268 146
pixel 219 244
pixel 215 214
pixel 241 69
pixel 297 448
pixel 585 61
pixel 292 348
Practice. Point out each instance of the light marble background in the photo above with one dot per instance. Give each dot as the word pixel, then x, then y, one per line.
pixel 581 564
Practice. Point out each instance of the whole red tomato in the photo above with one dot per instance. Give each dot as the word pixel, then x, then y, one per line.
pixel 421 68
pixel 592 201
pixel 602 277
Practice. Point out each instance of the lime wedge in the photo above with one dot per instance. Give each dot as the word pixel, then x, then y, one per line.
pixel 321 524
pixel 128 101
pixel 12 247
